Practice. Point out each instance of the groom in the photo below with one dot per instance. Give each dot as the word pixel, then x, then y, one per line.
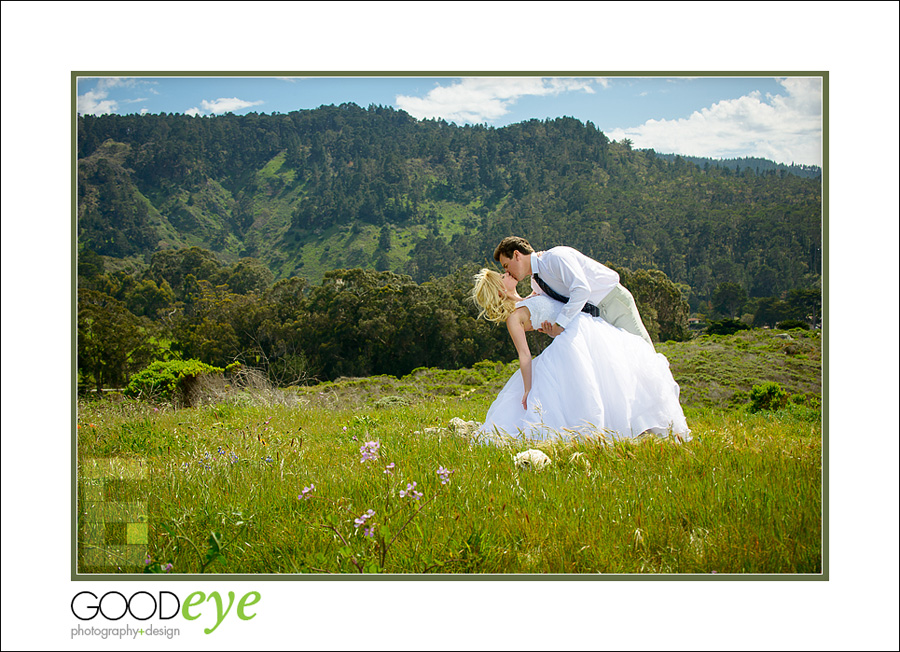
pixel 567 275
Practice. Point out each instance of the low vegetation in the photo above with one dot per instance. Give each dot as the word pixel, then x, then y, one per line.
pixel 381 475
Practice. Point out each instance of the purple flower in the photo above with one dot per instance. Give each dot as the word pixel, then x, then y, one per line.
pixel 411 492
pixel 359 522
pixel 306 492
pixel 147 560
pixel 369 451
pixel 389 468
pixel 368 532
pixel 167 567
pixel 444 474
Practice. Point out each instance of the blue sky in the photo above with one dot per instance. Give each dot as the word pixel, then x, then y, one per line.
pixel 720 117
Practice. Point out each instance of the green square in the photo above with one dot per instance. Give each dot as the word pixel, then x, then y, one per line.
pixel 136 533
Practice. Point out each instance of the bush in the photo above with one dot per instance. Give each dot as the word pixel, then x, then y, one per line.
pixel 726 327
pixel 768 396
pixel 739 398
pixel 166 381
pixel 809 399
pixel 392 402
pixel 789 324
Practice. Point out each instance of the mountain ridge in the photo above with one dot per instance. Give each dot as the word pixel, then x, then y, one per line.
pixel 340 187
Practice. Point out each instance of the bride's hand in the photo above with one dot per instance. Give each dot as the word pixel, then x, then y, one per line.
pixel 525 401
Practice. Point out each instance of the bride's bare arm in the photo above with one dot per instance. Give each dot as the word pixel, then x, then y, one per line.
pixel 517 324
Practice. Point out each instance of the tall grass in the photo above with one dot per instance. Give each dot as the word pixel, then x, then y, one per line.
pixel 226 492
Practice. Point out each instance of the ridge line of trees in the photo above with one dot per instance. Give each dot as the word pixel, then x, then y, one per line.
pixel 356 322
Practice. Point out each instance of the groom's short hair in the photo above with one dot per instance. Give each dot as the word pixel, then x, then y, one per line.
pixel 510 245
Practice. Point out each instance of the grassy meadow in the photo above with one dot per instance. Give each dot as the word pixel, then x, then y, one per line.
pixel 369 476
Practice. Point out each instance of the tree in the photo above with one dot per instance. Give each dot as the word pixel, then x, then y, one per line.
pixel 805 305
pixel 146 298
pixel 248 275
pixel 729 299
pixel 112 342
pixel 662 306
pixel 770 311
pixel 204 328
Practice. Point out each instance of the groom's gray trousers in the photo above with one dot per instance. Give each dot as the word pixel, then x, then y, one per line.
pixel 620 310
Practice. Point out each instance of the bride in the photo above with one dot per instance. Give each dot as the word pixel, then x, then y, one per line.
pixel 592 379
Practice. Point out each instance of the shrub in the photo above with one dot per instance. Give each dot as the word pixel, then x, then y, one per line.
pixel 789 324
pixel 166 380
pixel 740 397
pixel 726 327
pixel 767 396
pixel 809 399
pixel 392 402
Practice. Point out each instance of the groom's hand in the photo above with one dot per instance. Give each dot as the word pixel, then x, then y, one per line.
pixel 551 329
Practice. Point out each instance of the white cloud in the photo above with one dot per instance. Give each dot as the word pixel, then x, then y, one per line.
pixel 223 105
pixel 786 128
pixel 483 99
pixel 98 101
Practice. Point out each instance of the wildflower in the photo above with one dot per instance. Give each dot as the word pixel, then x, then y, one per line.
pixel 359 522
pixel 221 451
pixel 167 567
pixel 147 560
pixel 444 474
pixel 389 468
pixel 345 428
pixel 267 459
pixel 306 492
pixel 411 492
pixel 368 532
pixel 369 451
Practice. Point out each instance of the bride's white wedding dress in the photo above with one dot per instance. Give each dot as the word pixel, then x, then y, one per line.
pixel 593 378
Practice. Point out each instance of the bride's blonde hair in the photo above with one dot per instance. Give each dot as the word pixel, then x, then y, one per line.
pixel 486 294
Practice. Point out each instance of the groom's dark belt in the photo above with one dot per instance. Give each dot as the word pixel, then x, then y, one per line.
pixel 589 308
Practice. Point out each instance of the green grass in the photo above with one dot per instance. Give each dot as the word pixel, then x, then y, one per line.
pixel 744 496
pixel 713 368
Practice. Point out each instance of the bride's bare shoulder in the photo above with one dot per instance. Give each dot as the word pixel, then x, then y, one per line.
pixel 521 316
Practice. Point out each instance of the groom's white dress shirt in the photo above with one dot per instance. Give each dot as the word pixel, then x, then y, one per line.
pixel 571 273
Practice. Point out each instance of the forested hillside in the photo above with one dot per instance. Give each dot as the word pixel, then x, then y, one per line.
pixel 750 165
pixel 345 187
pixel 342 241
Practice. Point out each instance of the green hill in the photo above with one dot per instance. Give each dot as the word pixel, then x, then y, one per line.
pixel 346 187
